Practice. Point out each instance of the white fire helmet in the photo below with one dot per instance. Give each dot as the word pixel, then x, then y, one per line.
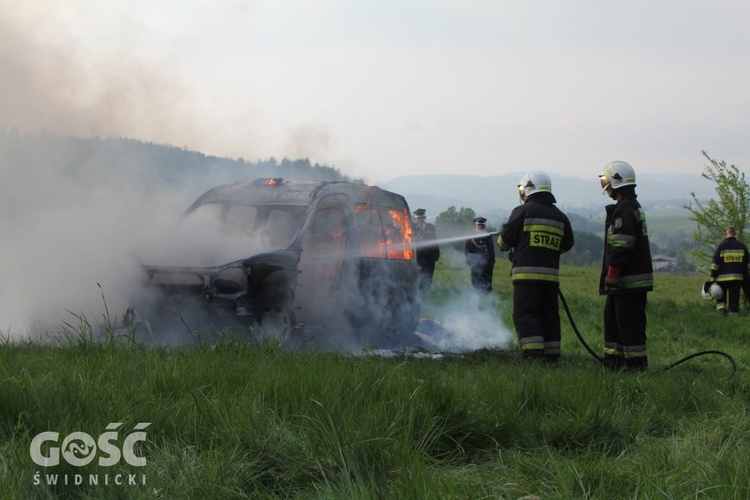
pixel 711 291
pixel 617 174
pixel 534 182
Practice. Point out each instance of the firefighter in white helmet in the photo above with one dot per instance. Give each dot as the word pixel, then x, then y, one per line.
pixel 537 232
pixel 728 269
pixel 627 272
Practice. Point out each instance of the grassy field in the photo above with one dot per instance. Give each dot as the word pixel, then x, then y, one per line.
pixel 237 421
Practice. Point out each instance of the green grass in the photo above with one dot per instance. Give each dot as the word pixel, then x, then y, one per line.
pixel 232 420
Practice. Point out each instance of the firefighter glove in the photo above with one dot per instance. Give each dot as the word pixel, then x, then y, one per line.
pixel 613 275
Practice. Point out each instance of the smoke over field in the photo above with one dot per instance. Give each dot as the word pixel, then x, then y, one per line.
pixel 79 231
pixel 66 233
pixel 79 219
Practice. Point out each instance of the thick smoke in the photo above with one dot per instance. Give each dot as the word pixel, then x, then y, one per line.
pixel 70 237
pixel 76 241
pixel 67 234
pixel 62 75
pixel 68 242
pixel 53 82
pixel 75 236
pixel 470 319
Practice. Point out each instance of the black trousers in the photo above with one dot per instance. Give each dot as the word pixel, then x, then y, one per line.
pixel 426 271
pixel 625 329
pixel 731 295
pixel 481 278
pixel 537 318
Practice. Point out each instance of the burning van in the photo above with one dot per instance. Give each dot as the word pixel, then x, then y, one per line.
pixel 330 263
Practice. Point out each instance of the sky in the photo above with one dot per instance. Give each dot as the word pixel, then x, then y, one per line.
pixel 393 87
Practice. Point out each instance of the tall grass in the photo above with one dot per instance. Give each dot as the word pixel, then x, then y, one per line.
pixel 233 420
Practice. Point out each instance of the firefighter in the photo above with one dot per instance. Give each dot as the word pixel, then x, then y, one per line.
pixel 627 273
pixel 728 270
pixel 480 256
pixel 427 254
pixel 537 232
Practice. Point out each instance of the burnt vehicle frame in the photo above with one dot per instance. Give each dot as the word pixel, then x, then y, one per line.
pixel 338 261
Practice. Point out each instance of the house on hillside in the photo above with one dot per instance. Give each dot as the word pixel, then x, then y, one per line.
pixel 664 264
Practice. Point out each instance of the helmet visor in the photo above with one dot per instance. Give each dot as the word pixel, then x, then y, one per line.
pixel 525 183
pixel 604 181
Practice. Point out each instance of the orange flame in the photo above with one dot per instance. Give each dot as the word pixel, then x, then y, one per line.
pixel 404 250
pixel 395 240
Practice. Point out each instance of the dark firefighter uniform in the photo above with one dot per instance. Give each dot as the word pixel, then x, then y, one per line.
pixel 427 255
pixel 480 256
pixel 729 269
pixel 627 252
pixel 537 232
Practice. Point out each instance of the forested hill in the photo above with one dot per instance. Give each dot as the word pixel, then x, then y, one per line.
pixel 488 194
pixel 156 166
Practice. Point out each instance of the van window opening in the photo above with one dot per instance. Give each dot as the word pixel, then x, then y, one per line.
pixel 272 226
pixel 383 233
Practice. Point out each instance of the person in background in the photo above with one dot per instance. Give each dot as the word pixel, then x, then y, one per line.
pixel 427 253
pixel 537 232
pixel 480 256
pixel 627 272
pixel 729 270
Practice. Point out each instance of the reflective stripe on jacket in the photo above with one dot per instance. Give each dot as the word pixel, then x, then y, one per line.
pixel 538 232
pixel 626 247
pixel 729 261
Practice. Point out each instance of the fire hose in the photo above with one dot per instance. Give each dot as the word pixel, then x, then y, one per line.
pixel 668 367
pixel 591 351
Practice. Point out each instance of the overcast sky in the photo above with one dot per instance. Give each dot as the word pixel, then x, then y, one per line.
pixel 387 88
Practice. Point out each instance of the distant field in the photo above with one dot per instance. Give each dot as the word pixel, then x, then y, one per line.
pixel 671 211
pixel 664 224
pixel 667 221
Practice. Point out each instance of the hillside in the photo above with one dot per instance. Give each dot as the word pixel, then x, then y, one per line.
pixel 155 168
pixel 136 174
pixel 158 167
pixel 491 194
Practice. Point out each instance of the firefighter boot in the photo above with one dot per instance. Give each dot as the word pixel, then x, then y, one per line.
pixel 635 364
pixel 552 359
pixel 533 354
pixel 613 362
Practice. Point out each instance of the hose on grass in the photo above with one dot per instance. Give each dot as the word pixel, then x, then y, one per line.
pixel 668 367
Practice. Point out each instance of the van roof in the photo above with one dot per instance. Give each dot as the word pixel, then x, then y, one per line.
pixel 283 192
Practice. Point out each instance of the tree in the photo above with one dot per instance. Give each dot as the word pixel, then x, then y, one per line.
pixel 587 250
pixel 452 223
pixel 732 208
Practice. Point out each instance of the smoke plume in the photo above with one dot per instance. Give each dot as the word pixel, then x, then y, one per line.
pixel 76 232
